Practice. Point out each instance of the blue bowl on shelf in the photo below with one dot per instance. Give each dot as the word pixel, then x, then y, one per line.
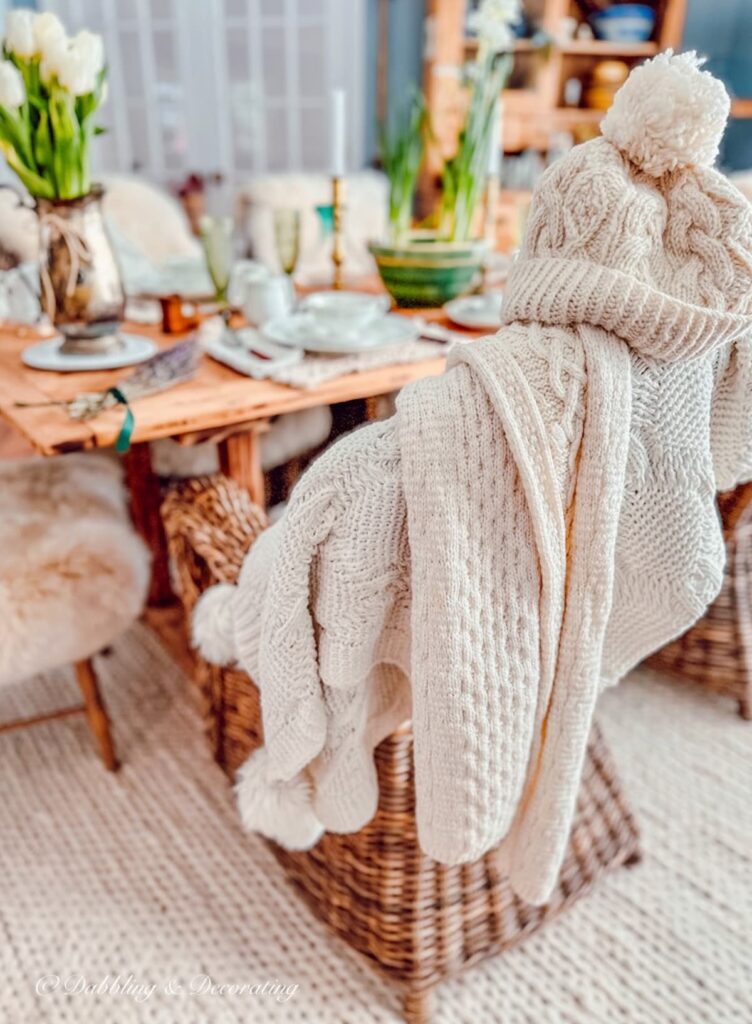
pixel 625 23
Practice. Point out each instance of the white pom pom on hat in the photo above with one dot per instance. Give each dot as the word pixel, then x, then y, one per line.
pixel 668 114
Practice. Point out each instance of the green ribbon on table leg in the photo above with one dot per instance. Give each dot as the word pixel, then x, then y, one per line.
pixel 123 442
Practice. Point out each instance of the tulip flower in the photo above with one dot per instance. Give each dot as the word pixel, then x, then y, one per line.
pixel 50 89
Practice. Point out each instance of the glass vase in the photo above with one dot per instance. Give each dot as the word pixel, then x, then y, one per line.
pixel 81 288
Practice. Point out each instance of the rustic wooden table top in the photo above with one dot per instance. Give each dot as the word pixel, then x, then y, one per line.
pixel 216 399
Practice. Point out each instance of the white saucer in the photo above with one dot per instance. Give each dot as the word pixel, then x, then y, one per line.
pixel 46 355
pixel 477 312
pixel 304 331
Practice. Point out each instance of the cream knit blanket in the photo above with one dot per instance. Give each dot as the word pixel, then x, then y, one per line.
pixel 572 487
pixel 475 545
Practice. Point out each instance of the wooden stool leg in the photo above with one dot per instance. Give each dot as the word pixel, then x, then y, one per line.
pixel 419 1006
pixel 240 460
pixel 145 501
pixel 96 713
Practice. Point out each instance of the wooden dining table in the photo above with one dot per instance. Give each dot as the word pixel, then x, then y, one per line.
pixel 216 404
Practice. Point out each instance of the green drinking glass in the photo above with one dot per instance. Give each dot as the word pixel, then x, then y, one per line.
pixel 216 238
pixel 287 238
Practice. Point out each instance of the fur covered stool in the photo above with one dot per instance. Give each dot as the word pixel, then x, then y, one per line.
pixel 73 574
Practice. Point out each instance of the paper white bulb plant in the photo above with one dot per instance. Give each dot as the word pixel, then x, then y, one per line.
pixel 492 23
pixel 50 88
pixel 463 175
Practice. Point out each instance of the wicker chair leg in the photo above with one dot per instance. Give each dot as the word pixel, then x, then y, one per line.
pixel 745 709
pixel 99 722
pixel 419 1006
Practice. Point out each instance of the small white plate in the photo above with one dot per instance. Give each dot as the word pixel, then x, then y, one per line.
pixel 477 312
pixel 304 331
pixel 46 355
pixel 247 352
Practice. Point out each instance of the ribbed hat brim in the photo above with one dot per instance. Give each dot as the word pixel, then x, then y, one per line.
pixel 562 292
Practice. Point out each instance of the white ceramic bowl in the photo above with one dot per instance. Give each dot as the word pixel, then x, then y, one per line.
pixel 344 312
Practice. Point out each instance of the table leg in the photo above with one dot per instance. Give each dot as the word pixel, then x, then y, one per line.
pixel 240 460
pixel 145 501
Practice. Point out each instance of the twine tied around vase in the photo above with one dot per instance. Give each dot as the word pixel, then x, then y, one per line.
pixel 78 252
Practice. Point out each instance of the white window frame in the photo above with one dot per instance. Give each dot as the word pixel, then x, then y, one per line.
pixel 200 31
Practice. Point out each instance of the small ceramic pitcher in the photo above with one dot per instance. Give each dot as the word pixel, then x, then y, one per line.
pixel 267 298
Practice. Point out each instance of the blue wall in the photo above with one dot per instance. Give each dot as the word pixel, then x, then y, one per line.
pixel 722 30
pixel 405 56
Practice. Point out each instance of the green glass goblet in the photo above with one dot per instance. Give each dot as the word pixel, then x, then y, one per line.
pixel 287 238
pixel 216 239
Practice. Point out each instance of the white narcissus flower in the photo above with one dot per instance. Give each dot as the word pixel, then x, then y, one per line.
pixel 19 33
pixel 49 34
pixel 12 91
pixel 492 23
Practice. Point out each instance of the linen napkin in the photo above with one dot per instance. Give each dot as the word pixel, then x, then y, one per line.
pixel 265 360
pixel 314 369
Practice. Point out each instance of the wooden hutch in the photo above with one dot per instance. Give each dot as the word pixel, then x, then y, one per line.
pixel 535 107
pixel 534 104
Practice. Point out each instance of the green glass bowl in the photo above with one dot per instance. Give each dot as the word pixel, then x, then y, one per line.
pixel 425 271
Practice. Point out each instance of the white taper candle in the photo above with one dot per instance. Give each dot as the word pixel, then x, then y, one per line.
pixel 337 137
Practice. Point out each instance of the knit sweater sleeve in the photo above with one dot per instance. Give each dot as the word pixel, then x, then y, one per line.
pixel 731 417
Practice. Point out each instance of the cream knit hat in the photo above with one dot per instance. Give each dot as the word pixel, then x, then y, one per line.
pixel 635 232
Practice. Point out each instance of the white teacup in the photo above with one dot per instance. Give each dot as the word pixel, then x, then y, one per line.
pixel 267 298
pixel 345 312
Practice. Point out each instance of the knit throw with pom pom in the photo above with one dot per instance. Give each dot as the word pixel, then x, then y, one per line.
pixel 529 525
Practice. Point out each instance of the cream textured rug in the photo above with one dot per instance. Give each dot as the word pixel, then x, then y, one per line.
pixel 116 884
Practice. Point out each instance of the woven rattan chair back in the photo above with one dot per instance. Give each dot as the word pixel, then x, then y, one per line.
pixel 417 920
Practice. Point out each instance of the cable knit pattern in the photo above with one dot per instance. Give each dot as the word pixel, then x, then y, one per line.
pixel 666 269
pixel 474 623
pixel 528 526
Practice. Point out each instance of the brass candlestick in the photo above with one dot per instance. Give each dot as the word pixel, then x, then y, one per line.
pixel 338 248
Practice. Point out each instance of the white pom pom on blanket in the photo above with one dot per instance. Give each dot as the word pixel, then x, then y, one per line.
pixel 212 625
pixel 281 811
pixel 668 114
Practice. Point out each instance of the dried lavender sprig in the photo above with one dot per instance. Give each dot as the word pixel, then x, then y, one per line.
pixel 164 370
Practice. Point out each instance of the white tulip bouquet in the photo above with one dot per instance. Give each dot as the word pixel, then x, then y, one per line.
pixel 50 88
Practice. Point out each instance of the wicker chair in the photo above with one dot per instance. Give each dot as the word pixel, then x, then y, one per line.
pixel 717 651
pixel 417 920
